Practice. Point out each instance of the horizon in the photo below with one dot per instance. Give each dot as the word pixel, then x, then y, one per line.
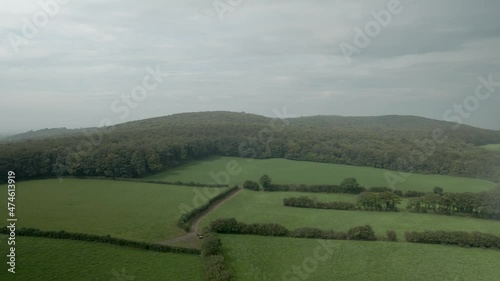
pixel 4 134
pixel 90 60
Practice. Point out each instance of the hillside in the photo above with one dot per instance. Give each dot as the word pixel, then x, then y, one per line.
pixel 43 134
pixel 401 143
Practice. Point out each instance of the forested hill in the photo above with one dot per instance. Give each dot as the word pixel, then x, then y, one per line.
pixel 43 134
pixel 132 149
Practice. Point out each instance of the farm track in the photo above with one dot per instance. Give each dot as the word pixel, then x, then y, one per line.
pixel 191 235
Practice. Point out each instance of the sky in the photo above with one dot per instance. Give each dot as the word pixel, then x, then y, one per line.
pixel 89 63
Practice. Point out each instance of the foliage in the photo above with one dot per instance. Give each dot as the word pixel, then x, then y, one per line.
pixel 392 236
pixel 215 267
pixel 186 219
pixel 232 226
pixel 265 181
pixel 481 205
pixel 32 232
pixel 383 201
pixel 251 185
pixel 143 147
pixel 306 202
pixel 460 238
pixel 364 232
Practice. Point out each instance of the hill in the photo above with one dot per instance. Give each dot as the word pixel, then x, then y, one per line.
pixel 43 134
pixel 134 149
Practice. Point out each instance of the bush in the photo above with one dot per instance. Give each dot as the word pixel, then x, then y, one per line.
pixel 211 246
pixel 459 238
pixel 306 202
pixel 251 185
pixel 215 267
pixel 364 232
pixel 392 236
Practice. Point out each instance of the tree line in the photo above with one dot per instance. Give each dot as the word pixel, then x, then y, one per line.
pixel 482 205
pixel 143 147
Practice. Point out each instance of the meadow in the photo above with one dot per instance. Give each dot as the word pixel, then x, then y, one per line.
pixel 493 147
pixel 267 207
pixel 299 259
pixel 283 171
pixel 130 210
pixel 50 259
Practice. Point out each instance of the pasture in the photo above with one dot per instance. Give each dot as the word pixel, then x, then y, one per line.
pixel 44 259
pixel 270 258
pixel 237 170
pixel 130 210
pixel 267 207
pixel 493 147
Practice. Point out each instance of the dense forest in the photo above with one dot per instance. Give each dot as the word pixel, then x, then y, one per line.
pixel 400 143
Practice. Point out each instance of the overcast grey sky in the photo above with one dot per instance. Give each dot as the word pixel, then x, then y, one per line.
pixel 261 55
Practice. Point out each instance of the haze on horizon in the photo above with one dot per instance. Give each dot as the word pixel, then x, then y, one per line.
pixel 258 57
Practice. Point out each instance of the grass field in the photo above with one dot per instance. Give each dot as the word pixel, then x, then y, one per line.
pixel 45 259
pixel 251 206
pixel 355 260
pixel 494 147
pixel 136 211
pixel 288 171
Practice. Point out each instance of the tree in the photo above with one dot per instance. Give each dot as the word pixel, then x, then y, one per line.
pixel 438 190
pixel 351 185
pixel 251 185
pixel 265 181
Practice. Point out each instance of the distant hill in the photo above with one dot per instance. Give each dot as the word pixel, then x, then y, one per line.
pixel 400 143
pixel 43 133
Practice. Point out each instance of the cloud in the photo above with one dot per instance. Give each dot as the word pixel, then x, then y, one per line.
pixel 263 55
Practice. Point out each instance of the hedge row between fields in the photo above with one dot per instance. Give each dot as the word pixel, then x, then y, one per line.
pixel 186 219
pixel 32 232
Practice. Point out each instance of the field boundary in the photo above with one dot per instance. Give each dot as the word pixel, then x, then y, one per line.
pixel 204 211
pixel 32 232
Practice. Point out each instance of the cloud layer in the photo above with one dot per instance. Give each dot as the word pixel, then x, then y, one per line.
pixel 260 55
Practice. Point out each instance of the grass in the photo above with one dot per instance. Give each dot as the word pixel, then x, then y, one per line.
pixel 268 259
pixel 251 206
pixel 494 147
pixel 135 211
pixel 45 259
pixel 288 171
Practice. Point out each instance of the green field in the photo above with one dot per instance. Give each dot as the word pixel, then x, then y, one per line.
pixel 251 206
pixel 355 260
pixel 130 210
pixel 45 259
pixel 288 171
pixel 494 147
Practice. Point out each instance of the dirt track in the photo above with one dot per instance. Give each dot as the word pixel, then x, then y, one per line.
pixel 191 235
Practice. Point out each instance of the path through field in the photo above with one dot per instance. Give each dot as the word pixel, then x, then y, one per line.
pixel 190 238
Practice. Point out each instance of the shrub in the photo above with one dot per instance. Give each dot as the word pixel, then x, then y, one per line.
pixel 392 236
pixel 211 246
pixel 364 232
pixel 251 185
